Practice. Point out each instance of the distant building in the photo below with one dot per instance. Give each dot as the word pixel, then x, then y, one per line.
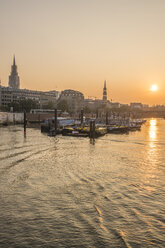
pixel 124 105
pixel 9 95
pixel 13 93
pixel 158 107
pixel 14 82
pixel 74 100
pixel 92 104
pixel 136 105
pixel 102 104
pixel 145 106
pixel 115 105
pixel 57 93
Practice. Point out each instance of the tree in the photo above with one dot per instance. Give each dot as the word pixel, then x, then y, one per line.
pixel 87 110
pixel 4 108
pixel 26 104
pixel 49 105
pixel 63 106
pixel 16 106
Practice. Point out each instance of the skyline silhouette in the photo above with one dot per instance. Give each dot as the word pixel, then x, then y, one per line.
pixel 80 44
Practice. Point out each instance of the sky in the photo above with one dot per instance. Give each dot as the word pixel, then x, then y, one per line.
pixel 77 44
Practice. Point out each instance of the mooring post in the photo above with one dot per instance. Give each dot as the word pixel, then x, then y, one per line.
pixel 90 130
pixel 97 114
pixel 82 115
pixel 25 122
pixel 106 118
pixel 39 118
pixel 93 131
pixel 55 121
pixel 13 118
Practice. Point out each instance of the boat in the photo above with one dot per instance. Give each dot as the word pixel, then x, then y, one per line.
pixel 117 129
pixel 78 131
pixel 100 131
pixel 49 124
pixel 75 132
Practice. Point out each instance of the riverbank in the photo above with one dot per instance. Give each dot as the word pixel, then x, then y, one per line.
pixel 7 118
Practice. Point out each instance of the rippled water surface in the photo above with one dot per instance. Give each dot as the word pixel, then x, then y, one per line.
pixel 68 192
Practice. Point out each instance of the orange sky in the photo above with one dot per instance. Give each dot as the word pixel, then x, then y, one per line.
pixel 77 44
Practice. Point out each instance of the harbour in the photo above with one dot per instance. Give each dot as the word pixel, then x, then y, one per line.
pixel 82 124
pixel 70 192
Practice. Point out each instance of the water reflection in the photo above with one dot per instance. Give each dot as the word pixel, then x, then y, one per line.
pixel 65 191
pixel 152 152
pixel 153 129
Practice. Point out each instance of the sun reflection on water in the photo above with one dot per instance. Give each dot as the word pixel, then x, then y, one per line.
pixel 151 157
pixel 153 130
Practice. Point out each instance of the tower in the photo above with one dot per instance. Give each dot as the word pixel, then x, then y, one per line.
pixel 105 92
pixel 14 78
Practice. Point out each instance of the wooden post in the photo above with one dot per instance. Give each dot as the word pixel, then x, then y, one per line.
pixel 82 113
pixel 39 118
pixel 55 121
pixel 90 131
pixel 93 131
pixel 25 122
pixel 13 118
pixel 106 118
pixel 97 114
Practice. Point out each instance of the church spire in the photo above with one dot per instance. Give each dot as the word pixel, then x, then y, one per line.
pixel 14 78
pixel 105 92
pixel 105 84
pixel 14 60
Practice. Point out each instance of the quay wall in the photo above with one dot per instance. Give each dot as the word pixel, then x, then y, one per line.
pixel 11 118
pixel 38 117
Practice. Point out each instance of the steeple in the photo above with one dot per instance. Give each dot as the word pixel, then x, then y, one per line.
pixel 105 84
pixel 14 60
pixel 105 92
pixel 14 78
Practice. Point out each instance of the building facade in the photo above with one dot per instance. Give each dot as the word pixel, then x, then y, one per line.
pixel 9 95
pixel 136 105
pixel 74 100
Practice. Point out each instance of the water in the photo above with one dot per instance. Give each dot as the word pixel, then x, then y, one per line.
pixel 68 192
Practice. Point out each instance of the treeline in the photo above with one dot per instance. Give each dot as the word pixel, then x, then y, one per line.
pixel 26 104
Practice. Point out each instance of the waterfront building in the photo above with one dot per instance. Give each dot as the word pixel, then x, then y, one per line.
pixel 14 82
pixel 115 105
pixel 13 93
pixel 9 95
pixel 93 104
pixel 145 106
pixel 74 100
pixel 136 105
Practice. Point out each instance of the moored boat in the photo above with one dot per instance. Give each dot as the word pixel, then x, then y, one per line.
pixel 117 129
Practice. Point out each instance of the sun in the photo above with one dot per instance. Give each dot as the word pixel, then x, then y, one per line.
pixel 154 87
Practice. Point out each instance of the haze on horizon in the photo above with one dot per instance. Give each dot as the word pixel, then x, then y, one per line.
pixel 77 44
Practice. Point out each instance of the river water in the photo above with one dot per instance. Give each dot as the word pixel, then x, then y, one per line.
pixel 70 192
